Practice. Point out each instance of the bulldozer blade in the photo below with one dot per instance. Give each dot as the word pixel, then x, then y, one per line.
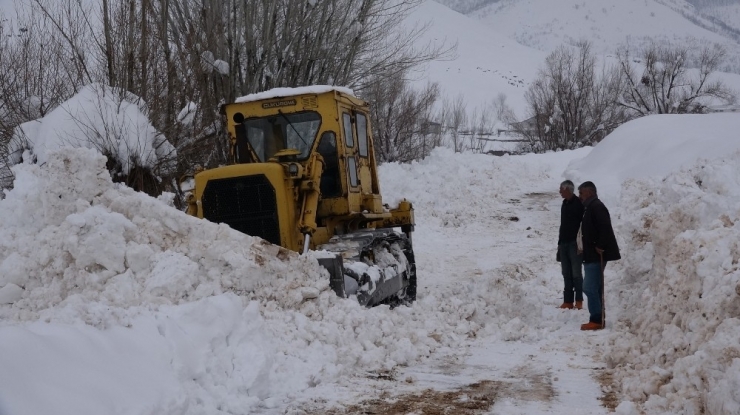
pixel 336 274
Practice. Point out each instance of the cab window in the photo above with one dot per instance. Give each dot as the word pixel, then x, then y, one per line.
pixel 268 135
pixel 362 134
pixel 347 124
pixel 352 167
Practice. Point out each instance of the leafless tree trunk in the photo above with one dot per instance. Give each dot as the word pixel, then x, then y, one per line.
pixel 455 119
pixel 504 113
pixel 481 129
pixel 72 32
pixel 144 51
pixel 39 68
pixel 108 49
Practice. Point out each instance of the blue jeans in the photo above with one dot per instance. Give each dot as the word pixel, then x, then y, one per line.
pixel 593 289
pixel 571 263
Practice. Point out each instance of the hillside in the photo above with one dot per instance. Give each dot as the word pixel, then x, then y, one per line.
pixel 487 63
pixel 501 47
pixel 727 14
pixel 546 24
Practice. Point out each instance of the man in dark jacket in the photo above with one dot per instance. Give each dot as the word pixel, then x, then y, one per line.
pixel 570 259
pixel 599 247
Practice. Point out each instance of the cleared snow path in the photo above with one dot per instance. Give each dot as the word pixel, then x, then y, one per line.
pixel 485 242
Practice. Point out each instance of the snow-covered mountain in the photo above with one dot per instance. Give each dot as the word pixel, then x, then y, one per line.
pixel 725 14
pixel 502 45
pixel 546 24
pixel 487 63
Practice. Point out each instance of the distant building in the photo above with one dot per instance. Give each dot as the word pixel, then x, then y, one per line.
pixel 431 127
pixel 724 108
pixel 528 126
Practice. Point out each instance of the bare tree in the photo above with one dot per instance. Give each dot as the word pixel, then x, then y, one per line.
pixel 38 71
pixel 73 33
pixel 455 118
pixel 294 42
pixel 503 112
pixel 570 104
pixel 400 119
pixel 537 129
pixel 666 83
pixel 479 129
pixel 258 45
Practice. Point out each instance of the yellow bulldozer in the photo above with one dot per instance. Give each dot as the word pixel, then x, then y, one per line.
pixel 302 174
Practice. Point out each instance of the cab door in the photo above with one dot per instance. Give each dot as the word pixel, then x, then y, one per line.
pixel 363 195
pixel 364 161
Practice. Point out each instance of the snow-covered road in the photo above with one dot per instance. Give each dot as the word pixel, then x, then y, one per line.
pixel 525 356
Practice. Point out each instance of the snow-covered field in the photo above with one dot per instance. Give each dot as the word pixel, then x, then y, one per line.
pixel 114 302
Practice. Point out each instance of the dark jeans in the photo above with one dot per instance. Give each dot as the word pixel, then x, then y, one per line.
pixel 571 262
pixel 594 289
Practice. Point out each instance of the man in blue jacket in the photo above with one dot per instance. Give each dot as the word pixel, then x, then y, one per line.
pixel 570 259
pixel 599 246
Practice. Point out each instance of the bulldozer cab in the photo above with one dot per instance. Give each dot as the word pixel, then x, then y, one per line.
pixel 303 175
pixel 330 122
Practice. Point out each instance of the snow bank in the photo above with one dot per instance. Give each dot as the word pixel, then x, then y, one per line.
pixel 70 235
pixel 655 146
pixel 678 287
pixel 114 302
pixel 673 185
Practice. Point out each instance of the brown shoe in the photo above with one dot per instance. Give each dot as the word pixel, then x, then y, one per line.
pixel 579 305
pixel 568 306
pixel 591 326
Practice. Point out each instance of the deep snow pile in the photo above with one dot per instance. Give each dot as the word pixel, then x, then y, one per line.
pixel 458 190
pixel 655 146
pixel 677 347
pixel 209 319
pixel 70 236
pixel 122 304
